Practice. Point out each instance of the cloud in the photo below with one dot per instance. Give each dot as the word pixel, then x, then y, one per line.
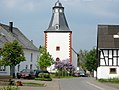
pixel 20 5
pixel 28 7
pixel 99 8
pixel 9 3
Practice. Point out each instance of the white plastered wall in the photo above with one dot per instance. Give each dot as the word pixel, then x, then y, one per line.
pixel 103 72
pixel 61 40
pixel 28 61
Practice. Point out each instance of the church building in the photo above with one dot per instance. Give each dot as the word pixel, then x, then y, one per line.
pixel 58 36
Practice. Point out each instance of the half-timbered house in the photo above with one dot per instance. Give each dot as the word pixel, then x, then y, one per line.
pixel 108 51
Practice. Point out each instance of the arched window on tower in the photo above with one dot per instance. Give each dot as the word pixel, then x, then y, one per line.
pixel 57 59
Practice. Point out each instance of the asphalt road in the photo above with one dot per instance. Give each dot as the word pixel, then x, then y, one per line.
pixel 83 83
pixel 79 83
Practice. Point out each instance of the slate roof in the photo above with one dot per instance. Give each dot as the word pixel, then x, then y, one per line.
pixel 7 36
pixel 108 36
pixel 58 19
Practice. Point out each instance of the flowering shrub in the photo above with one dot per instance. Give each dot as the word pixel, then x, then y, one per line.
pixel 64 65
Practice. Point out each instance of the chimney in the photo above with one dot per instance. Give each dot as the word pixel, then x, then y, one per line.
pixel 11 26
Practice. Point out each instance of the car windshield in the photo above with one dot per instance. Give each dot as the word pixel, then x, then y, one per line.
pixel 43 71
pixel 82 72
pixel 26 70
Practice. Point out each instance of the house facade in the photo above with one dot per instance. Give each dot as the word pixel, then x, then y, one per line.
pixel 108 51
pixel 58 36
pixel 8 33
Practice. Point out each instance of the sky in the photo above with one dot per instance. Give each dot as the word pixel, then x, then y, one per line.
pixel 32 17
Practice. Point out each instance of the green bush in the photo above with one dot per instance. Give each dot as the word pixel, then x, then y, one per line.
pixel 44 77
pixel 62 73
pixel 41 75
pixel 10 88
pixel 47 75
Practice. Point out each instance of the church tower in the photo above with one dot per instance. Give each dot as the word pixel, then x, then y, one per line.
pixel 58 37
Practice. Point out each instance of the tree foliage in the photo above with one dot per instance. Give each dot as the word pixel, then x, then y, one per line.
pixel 45 59
pixel 12 54
pixel 91 60
pixel 81 59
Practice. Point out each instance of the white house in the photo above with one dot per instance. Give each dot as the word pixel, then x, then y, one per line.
pixel 58 36
pixel 108 51
pixel 8 33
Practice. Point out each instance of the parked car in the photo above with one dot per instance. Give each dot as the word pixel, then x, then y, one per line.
pixel 82 74
pixel 26 73
pixel 37 71
pixel 76 73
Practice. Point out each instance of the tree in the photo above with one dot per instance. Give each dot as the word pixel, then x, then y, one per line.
pixel 12 54
pixel 45 59
pixel 81 62
pixel 91 60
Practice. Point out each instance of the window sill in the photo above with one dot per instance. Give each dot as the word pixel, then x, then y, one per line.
pixel 3 71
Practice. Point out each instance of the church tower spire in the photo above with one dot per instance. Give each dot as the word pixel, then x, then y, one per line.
pixel 58 37
pixel 58 21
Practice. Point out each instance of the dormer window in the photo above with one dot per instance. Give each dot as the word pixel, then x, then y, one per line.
pixel 57 27
pixel 116 35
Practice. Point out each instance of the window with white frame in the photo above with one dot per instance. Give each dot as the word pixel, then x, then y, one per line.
pixel 18 67
pixel 26 66
pixel 31 57
pixel 113 71
pixel 2 68
pixel 31 66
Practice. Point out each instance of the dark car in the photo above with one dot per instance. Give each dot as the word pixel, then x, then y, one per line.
pixel 82 74
pixel 37 71
pixel 26 73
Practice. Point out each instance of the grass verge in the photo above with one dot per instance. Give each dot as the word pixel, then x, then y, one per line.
pixel 44 79
pixel 33 84
pixel 53 75
pixel 111 80
pixel 10 88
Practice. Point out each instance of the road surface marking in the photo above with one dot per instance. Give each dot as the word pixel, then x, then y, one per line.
pixel 95 86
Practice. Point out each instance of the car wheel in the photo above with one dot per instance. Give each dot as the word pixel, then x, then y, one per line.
pixel 18 77
pixel 29 77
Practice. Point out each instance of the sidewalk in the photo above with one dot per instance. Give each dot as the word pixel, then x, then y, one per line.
pixel 108 86
pixel 50 85
pixel 113 85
